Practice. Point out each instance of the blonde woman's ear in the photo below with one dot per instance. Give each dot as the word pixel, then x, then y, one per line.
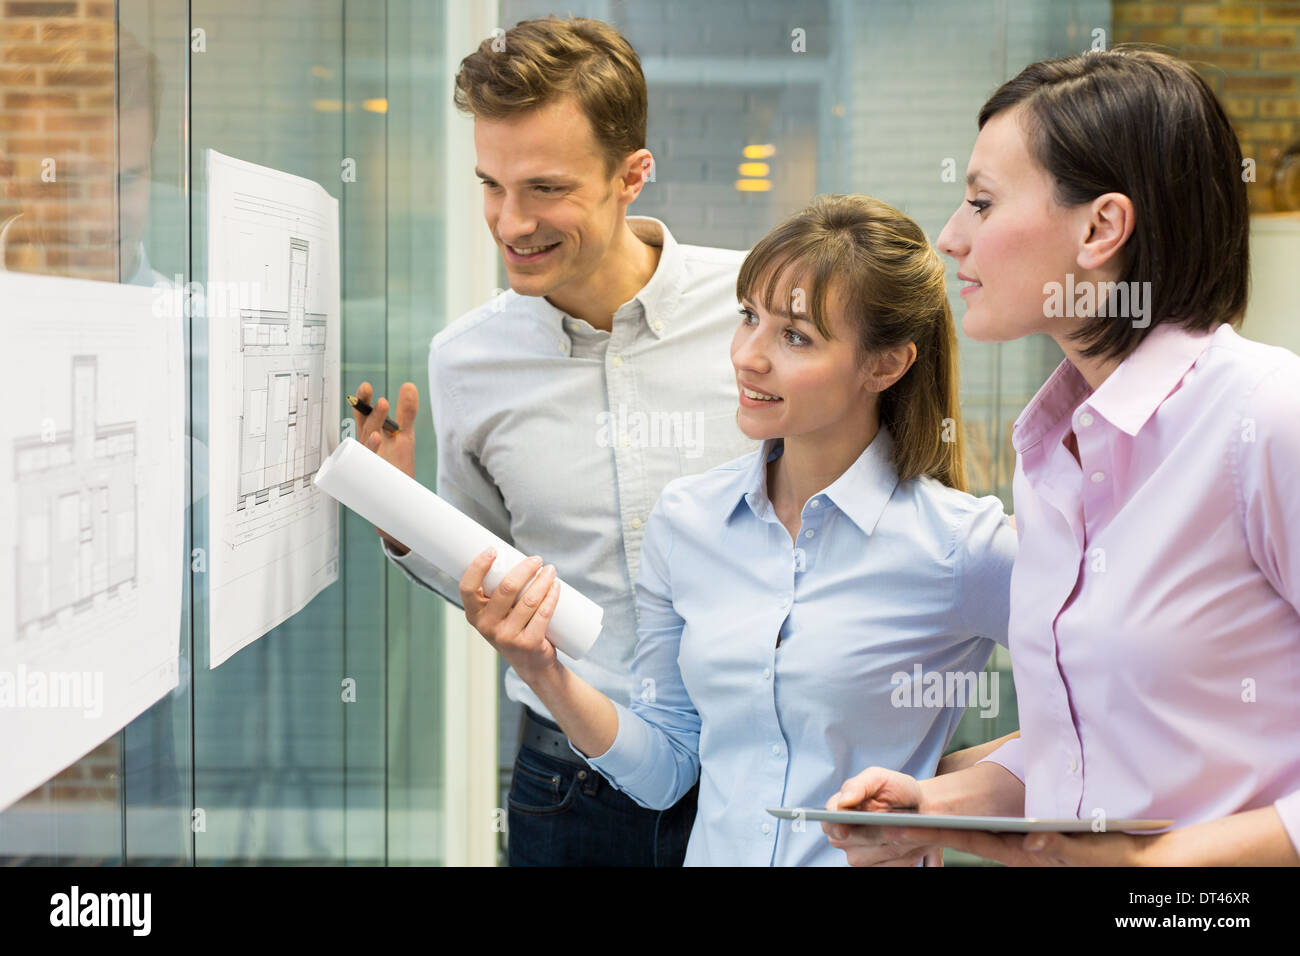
pixel 889 365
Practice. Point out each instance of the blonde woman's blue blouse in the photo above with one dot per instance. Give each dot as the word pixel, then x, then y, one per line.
pixel 887 607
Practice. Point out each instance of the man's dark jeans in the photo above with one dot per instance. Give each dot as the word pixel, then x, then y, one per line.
pixel 561 814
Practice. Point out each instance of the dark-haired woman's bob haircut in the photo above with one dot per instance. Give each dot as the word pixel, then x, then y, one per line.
pixel 1144 124
pixel 866 258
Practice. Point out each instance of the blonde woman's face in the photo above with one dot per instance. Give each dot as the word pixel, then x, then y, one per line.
pixel 815 384
pixel 1009 236
pixel 552 210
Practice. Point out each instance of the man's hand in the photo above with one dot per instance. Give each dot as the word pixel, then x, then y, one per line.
pixel 515 628
pixel 396 449
pixel 879 789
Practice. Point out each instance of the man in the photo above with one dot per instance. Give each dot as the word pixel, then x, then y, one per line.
pixel 563 406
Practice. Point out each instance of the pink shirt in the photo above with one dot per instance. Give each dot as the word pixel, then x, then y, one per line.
pixel 1155 630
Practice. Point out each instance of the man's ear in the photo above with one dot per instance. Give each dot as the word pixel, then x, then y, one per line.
pixel 637 171
pixel 886 367
pixel 1109 223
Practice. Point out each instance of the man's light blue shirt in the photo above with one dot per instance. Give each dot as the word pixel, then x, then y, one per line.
pixel 884 576
pixel 558 437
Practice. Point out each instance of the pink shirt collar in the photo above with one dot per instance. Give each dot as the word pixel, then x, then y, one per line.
pixel 1127 398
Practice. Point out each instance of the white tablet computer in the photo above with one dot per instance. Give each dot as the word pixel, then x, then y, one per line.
pixel 955 822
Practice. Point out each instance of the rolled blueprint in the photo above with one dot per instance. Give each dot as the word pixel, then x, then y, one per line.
pixel 392 500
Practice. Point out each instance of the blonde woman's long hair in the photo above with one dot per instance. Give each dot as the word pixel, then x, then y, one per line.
pixel 892 284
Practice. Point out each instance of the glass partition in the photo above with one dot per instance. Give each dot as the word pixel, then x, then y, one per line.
pixel 260 760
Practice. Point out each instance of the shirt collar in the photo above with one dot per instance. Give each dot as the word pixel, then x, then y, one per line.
pixel 1127 398
pixel 861 492
pixel 659 296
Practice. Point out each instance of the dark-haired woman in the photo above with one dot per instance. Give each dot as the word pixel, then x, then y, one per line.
pixel 1155 612
pixel 829 599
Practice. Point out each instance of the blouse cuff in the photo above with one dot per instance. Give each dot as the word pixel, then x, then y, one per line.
pixel 629 753
pixel 1010 755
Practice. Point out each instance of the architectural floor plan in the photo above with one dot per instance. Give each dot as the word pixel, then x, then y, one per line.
pixel 92 484
pixel 283 372
pixel 78 520
pixel 273 331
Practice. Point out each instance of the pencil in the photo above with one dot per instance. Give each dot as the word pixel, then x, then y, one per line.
pixel 389 425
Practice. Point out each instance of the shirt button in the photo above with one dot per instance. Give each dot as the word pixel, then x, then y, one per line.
pixel 767 673
pixel 1086 419
pixel 564 347
pixel 815 503
pixel 617 361
pixel 658 326
pixel 1074 764
pixel 809 533
pixel 767 828
pixel 627 442
pixel 1098 477
pixel 776 750
pixel 785 603
pixel 636 524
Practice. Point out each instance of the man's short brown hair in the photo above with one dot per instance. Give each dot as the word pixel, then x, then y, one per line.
pixel 536 61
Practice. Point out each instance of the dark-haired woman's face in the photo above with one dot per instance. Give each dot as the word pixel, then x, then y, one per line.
pixel 814 385
pixel 1009 236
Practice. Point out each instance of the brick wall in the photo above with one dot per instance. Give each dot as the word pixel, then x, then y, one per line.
pixel 56 137
pixel 1249 52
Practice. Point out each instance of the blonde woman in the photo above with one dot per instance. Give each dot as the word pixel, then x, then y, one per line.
pixel 785 597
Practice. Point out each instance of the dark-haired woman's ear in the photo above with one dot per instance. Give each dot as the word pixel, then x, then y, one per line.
pixel 1109 224
pixel 889 365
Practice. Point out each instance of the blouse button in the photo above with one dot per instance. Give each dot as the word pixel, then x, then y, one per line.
pixel 1098 477
pixel 809 533
pixel 1086 419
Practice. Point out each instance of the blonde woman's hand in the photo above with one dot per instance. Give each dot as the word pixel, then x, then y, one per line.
pixel 878 789
pixel 514 618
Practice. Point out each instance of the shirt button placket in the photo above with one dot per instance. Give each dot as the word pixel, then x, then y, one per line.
pixel 1094 454
pixel 805 551
pixel 629 459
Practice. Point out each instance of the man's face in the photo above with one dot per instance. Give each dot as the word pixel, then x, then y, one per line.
pixel 552 210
